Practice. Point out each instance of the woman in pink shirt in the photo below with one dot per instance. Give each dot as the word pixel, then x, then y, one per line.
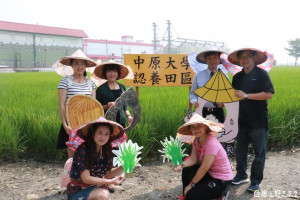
pixel 207 172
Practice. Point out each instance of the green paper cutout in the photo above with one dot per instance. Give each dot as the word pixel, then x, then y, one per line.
pixel 127 156
pixel 172 150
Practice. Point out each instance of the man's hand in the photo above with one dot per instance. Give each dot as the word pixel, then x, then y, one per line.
pixel 240 94
pixel 220 105
pixel 196 104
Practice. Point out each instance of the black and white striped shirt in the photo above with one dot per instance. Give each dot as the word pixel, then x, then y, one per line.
pixel 76 88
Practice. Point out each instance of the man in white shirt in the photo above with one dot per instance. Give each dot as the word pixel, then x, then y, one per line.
pixel 212 59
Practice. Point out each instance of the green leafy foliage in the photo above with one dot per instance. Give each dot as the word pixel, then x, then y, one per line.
pixel 294 49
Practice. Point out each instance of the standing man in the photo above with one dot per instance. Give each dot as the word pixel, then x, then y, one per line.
pixel 254 85
pixel 212 59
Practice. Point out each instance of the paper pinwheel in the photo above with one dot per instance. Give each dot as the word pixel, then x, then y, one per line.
pixel 172 150
pixel 218 89
pixel 127 156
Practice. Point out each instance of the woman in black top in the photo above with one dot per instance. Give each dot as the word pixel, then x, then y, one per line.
pixel 108 92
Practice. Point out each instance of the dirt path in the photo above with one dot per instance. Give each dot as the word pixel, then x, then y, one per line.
pixel 29 179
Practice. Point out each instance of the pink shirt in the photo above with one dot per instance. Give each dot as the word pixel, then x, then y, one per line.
pixel 220 167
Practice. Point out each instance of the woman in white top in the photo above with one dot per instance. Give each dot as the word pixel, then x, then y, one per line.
pixel 78 83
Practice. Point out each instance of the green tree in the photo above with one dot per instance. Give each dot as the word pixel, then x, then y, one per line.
pixel 294 49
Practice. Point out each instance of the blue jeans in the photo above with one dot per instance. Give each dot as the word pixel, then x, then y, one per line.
pixel 82 194
pixel 258 139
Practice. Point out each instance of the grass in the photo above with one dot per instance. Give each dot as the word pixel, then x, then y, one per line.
pixel 284 119
pixel 30 114
pixel 30 119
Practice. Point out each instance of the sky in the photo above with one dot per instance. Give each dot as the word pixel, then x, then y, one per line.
pixel 263 24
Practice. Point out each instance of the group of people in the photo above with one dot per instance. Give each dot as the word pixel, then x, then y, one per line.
pixel 92 174
pixel 206 173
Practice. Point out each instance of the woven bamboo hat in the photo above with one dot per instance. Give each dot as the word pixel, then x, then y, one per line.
pixel 99 69
pixel 201 56
pixel 81 109
pixel 118 130
pixel 197 119
pixel 77 55
pixel 261 56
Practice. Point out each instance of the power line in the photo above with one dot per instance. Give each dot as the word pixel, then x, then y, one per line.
pixel 168 40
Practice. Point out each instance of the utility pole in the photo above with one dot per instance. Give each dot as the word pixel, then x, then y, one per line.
pixel 169 36
pixel 34 51
pixel 154 41
pixel 45 57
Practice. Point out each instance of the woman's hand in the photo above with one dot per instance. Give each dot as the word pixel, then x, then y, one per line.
pixel 177 168
pixel 110 104
pixel 130 119
pixel 67 129
pixel 114 172
pixel 187 188
pixel 117 180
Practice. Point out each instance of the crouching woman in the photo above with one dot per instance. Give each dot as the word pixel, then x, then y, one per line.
pixel 92 168
pixel 207 172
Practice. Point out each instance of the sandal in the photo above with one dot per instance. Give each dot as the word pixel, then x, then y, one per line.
pixel 112 190
pixel 181 197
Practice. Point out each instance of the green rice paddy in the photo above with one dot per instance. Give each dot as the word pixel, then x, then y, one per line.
pixel 30 119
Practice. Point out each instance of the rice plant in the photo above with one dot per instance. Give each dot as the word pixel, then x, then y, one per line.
pixel 30 118
pixel 173 150
pixel 126 156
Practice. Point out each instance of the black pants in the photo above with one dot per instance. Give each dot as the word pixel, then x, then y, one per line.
pixel 207 188
pixel 62 138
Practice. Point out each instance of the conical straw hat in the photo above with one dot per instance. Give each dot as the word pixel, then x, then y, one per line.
pixel 99 69
pixel 217 89
pixel 81 109
pixel 197 119
pixel 201 56
pixel 261 56
pixel 118 130
pixel 77 55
